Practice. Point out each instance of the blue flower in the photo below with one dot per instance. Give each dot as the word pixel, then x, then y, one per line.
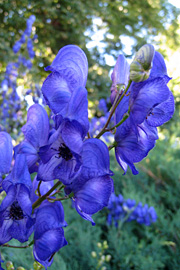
pixel 17 46
pixel 147 99
pixel 132 142
pixel 119 76
pixel 16 208
pixel 29 24
pixel 128 210
pixel 6 149
pixel 61 158
pixel 93 186
pixel 36 133
pixel 30 48
pixel 150 104
pixel 48 232
pixel 69 72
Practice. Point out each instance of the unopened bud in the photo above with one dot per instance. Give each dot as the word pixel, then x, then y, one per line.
pixel 141 66
pixel 103 258
pixel 21 268
pixel 37 265
pixel 108 258
pixel 105 245
pixel 9 266
pixel 93 254
pixel 99 245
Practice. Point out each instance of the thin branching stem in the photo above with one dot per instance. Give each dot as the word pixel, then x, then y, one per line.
pixel 117 100
pixel 42 198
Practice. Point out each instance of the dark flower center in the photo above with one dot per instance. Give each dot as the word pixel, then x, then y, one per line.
pixel 16 212
pixel 65 152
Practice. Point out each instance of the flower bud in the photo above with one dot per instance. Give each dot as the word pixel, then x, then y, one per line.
pixel 103 258
pixel 93 254
pixel 37 265
pixel 105 245
pixel 141 66
pixel 9 265
pixel 108 258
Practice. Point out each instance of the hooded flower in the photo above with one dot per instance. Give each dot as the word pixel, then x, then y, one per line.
pixel 36 133
pixel 151 98
pixel 150 104
pixel 6 149
pixel 93 186
pixel 69 72
pixel 119 76
pixel 133 142
pixel 16 208
pixel 61 158
pixel 48 233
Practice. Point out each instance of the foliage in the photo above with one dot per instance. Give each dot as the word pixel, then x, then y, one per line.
pixel 65 22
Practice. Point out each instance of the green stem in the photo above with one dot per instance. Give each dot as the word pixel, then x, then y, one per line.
pixel 38 189
pixel 112 146
pixel 109 118
pixel 11 246
pixel 114 106
pixel 42 198
pixel 59 199
pixel 124 93
pixel 120 123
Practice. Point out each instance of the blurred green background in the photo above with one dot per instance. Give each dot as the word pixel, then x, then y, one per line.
pixel 104 29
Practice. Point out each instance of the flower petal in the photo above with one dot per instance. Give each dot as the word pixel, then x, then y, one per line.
pixel 36 130
pixel 84 215
pixel 19 230
pixel 19 175
pixel 46 171
pixel 133 148
pixel 75 54
pixel 71 132
pixel 78 108
pixel 24 199
pixel 5 152
pixel 5 236
pixel 162 113
pixel 10 197
pixel 57 93
pixel 145 96
pixel 120 75
pixel 49 243
pixel 95 156
pixel 49 216
pixel 159 68
pixel 94 195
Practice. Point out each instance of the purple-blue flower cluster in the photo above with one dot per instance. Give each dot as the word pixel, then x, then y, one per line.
pixel 128 210
pixel 63 153
pixel 27 33
pixel 11 103
pixel 146 105
pixel 68 161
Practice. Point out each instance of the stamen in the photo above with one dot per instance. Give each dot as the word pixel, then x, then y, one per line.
pixel 16 213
